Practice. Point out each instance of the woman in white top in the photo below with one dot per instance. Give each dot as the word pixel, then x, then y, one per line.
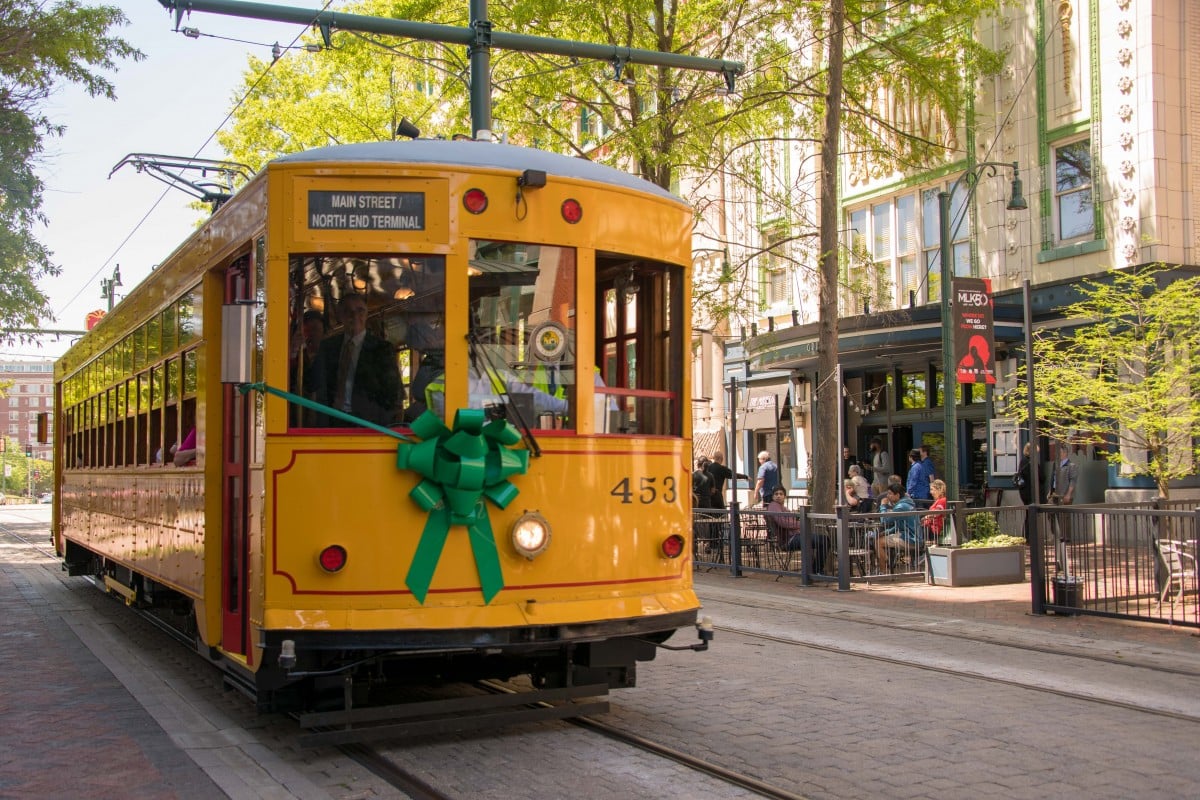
pixel 860 483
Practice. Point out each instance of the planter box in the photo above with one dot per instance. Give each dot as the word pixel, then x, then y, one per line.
pixel 976 566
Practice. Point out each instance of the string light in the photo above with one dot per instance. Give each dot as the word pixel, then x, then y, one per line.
pixel 870 401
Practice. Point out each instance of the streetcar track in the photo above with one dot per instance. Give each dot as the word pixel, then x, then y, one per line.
pixel 971 675
pixel 8 530
pixel 396 776
pixel 723 774
pixel 1042 649
pixel 739 779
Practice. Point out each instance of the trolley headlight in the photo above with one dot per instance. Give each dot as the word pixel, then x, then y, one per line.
pixel 531 534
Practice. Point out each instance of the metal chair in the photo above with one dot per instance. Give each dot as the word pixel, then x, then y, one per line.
pixel 1180 566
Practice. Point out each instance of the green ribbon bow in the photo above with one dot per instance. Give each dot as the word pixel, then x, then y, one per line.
pixel 460 469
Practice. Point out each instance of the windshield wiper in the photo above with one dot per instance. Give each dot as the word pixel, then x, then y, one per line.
pixel 495 378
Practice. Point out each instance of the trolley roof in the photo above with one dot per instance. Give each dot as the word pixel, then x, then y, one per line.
pixel 488 155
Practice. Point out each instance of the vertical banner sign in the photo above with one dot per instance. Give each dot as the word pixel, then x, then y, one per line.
pixel 973 335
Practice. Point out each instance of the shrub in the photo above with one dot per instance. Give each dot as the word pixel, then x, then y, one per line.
pixel 981 525
pixel 996 540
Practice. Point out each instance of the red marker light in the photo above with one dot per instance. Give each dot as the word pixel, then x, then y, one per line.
pixel 672 546
pixel 332 558
pixel 475 201
pixel 572 212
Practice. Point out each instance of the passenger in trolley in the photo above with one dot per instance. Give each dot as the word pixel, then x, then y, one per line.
pixel 356 371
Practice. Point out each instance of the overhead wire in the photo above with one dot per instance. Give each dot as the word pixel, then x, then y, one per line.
pixel 245 96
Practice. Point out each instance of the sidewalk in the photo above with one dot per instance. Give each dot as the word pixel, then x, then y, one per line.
pixel 71 729
pixel 89 710
pixel 1003 605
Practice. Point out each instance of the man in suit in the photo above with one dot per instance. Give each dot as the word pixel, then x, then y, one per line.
pixel 358 372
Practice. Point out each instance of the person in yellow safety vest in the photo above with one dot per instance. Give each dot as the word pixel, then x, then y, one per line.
pixel 548 377
pixel 483 391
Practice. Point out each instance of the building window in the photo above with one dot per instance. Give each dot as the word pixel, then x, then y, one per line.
pixel 914 390
pixel 1073 191
pixel 775 274
pixel 897 243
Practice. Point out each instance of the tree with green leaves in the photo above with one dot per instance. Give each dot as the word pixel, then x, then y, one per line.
pixel 751 156
pixel 41 47
pixel 1125 374
pixel 918 53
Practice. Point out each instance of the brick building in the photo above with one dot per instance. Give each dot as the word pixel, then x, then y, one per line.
pixel 26 389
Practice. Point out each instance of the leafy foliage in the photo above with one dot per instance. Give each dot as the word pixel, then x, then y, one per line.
pixel 996 540
pixel 1126 373
pixel 981 525
pixel 41 46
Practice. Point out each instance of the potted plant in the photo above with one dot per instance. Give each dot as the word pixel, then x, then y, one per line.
pixel 988 556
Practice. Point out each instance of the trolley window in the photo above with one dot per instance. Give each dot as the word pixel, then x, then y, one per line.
pixel 522 332
pixel 388 310
pixel 640 352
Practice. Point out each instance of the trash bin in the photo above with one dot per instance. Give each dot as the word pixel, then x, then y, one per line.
pixel 1068 592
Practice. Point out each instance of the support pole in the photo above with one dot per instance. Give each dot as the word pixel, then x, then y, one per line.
pixel 949 379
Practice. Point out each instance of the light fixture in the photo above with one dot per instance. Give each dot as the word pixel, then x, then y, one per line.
pixel 475 201
pixel 673 546
pixel 572 211
pixel 407 129
pixel 1017 201
pixel 332 558
pixel 627 284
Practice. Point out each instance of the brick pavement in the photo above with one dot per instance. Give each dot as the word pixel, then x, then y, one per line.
pixel 70 728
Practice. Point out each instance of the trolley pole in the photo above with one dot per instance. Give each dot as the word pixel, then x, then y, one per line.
pixel 478 38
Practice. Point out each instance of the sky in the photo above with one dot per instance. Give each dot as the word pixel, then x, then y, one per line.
pixel 171 103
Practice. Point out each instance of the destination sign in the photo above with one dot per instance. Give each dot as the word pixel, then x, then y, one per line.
pixel 366 211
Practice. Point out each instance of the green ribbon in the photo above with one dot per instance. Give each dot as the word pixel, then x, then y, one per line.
pixel 461 468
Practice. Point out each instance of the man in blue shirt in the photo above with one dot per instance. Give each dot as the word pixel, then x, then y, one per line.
pixel 918 478
pixel 768 478
pixel 927 462
pixel 899 532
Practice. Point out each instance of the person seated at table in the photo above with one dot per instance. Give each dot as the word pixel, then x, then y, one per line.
pixel 788 533
pixel 900 532
pixel 857 503
pixel 934 523
pixel 860 483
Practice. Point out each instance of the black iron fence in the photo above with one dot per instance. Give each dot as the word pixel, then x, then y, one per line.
pixel 1137 562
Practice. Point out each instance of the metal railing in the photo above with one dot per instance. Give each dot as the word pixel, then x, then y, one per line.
pixel 839 547
pixel 1134 562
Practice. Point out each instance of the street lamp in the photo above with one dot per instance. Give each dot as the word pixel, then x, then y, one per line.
pixel 108 286
pixel 970 179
